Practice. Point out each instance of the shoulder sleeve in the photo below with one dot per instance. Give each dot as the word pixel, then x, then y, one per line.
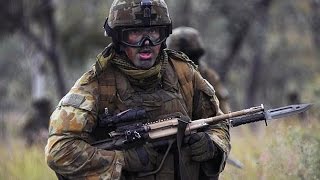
pixel 77 110
pixel 68 150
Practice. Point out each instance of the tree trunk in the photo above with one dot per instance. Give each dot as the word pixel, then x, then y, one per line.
pixel 258 46
pixel 235 46
pixel 239 31
pixel 184 11
pixel 258 42
pixel 39 73
pixel 50 50
pixel 315 23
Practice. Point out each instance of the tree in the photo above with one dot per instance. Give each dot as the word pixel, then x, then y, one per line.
pixel 258 42
pixel 19 16
pixel 315 22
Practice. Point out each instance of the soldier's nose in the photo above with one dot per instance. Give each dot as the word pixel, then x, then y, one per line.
pixel 146 42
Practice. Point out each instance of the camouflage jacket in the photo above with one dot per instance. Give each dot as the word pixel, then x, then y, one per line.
pixel 73 125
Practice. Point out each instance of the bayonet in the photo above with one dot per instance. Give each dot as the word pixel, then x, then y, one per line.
pixel 270 114
pixel 286 111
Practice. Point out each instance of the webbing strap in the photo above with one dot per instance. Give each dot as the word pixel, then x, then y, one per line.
pixel 182 125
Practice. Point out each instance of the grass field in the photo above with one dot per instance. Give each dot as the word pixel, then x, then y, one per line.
pixel 285 149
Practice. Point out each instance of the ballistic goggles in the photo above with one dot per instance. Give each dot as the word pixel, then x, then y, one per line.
pixel 136 37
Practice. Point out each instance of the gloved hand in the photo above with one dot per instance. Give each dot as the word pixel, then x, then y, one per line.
pixel 141 158
pixel 202 147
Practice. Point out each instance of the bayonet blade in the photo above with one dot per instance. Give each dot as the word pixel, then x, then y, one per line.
pixel 286 111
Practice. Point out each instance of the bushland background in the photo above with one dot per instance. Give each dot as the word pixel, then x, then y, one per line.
pixel 265 51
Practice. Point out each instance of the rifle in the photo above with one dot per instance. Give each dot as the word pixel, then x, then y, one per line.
pixel 126 136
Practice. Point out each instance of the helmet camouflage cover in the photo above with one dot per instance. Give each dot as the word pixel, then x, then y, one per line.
pixel 135 14
pixel 187 40
pixel 124 13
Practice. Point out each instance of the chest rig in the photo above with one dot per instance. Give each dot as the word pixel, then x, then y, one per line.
pixel 173 94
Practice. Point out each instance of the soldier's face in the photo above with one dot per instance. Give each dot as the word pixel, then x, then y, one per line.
pixel 142 45
pixel 143 57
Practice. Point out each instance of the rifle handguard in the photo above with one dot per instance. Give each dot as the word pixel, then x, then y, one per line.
pixel 247 119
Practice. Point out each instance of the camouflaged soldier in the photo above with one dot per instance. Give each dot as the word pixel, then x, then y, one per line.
pixel 189 41
pixel 136 71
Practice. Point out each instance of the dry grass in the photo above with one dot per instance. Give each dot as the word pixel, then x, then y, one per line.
pixel 285 149
pixel 18 162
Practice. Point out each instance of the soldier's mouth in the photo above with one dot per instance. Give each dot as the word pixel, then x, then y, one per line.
pixel 145 54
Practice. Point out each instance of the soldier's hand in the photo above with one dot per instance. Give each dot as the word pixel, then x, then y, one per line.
pixel 202 147
pixel 142 158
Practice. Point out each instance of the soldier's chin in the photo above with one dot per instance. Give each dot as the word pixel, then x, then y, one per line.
pixel 147 64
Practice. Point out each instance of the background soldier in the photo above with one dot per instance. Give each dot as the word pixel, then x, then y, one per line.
pixel 35 128
pixel 189 41
pixel 136 71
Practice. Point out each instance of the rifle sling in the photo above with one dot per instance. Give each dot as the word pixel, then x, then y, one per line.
pixel 183 173
pixel 142 174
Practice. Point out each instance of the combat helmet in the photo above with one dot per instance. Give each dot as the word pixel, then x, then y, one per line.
pixel 126 14
pixel 188 41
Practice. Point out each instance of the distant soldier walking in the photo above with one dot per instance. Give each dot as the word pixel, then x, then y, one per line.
pixel 189 41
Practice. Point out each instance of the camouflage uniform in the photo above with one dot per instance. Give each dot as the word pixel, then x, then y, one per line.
pixel 178 88
pixel 188 41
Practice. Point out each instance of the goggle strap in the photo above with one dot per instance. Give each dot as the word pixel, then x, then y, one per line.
pixel 108 29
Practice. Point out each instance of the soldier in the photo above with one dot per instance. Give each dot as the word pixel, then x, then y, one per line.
pixel 136 71
pixel 35 128
pixel 189 41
